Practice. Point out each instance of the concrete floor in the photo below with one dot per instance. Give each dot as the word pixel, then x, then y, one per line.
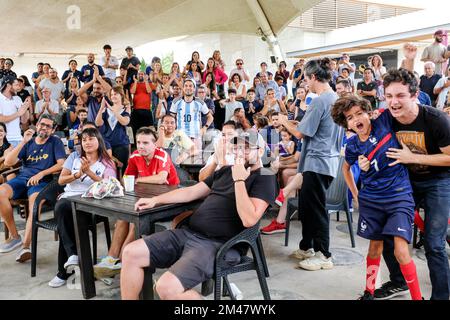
pixel 344 282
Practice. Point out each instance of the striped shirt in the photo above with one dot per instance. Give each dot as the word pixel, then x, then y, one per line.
pixel 189 116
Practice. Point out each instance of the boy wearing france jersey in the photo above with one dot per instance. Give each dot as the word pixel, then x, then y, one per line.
pixel 386 204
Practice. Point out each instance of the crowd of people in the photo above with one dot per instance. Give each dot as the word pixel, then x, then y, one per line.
pixel 264 147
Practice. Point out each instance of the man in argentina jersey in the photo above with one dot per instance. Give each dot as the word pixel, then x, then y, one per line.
pixel 386 204
pixel 188 111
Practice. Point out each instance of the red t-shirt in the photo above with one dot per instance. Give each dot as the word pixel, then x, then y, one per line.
pixel 138 167
pixel 142 99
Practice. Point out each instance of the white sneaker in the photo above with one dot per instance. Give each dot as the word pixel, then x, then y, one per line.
pixel 319 261
pixel 70 263
pixel 56 282
pixel 23 255
pixel 302 254
pixel 107 267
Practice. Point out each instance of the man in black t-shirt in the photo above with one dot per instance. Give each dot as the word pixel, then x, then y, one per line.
pixel 424 133
pixel 235 198
pixel 131 63
pixel 367 88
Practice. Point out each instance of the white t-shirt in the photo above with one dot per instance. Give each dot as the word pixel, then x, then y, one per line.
pixel 442 98
pixel 7 108
pixel 57 89
pixel 109 72
pixel 230 107
pixel 79 186
pixel 54 106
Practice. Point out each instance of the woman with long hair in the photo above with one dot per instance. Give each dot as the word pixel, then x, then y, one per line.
pixel 218 58
pixel 300 102
pixel 196 58
pixel 378 68
pixel 113 121
pixel 71 92
pixel 175 75
pixel 80 171
pixel 193 73
pixel 211 87
pixel 239 86
pixel 256 82
pixel 219 75
pixel 27 84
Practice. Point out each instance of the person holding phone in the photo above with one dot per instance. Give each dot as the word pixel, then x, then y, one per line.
pixel 141 89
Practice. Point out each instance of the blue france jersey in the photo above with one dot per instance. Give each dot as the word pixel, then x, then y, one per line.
pixel 381 181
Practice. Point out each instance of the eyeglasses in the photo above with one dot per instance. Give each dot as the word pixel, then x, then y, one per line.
pixel 239 63
pixel 44 125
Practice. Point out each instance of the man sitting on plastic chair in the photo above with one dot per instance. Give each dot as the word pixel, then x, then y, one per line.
pixel 41 156
pixel 235 198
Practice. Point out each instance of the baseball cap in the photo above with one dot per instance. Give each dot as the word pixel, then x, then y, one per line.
pixel 5 81
pixel 251 137
pixel 439 32
pixel 128 48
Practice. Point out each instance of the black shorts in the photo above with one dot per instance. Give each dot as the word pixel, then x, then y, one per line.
pixel 188 255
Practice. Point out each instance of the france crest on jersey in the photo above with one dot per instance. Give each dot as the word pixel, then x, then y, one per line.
pixel 381 181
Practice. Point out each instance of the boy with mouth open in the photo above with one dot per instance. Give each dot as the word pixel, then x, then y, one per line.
pixel 386 204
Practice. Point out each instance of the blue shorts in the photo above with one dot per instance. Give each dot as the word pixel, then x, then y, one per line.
pixel 20 188
pixel 386 217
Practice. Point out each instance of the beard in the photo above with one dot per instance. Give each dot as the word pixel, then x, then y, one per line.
pixel 43 135
pixel 439 40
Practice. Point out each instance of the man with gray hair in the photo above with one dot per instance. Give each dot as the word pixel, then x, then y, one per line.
pixel 429 80
pixel 261 89
pixel 41 157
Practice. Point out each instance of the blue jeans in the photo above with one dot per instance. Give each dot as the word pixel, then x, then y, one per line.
pixel 434 195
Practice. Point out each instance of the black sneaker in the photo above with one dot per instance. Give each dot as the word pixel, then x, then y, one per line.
pixel 366 296
pixel 389 290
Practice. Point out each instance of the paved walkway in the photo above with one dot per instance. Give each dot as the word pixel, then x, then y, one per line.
pixel 345 281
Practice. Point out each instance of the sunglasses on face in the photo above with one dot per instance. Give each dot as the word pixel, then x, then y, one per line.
pixel 239 63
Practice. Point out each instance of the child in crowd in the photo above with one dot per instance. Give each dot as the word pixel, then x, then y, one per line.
pixel 386 204
pixel 286 146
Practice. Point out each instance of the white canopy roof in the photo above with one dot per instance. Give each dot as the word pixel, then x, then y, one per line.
pixel 36 26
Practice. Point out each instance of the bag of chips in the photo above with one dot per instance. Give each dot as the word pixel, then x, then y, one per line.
pixel 109 187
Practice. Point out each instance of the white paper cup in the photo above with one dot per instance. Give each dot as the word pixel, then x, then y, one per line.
pixel 129 183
